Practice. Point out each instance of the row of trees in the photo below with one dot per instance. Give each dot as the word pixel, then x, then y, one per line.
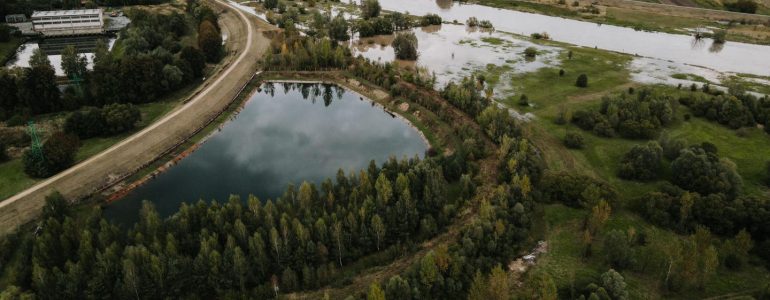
pixel 294 52
pixel 110 120
pixel 454 270
pixel 733 110
pixel 640 115
pixel 298 241
pixel 152 64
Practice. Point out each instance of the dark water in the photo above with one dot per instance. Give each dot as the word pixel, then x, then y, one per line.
pixel 277 140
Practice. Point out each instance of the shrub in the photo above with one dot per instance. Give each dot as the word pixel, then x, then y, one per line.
pixel 85 123
pixel 58 153
pixel 642 162
pixel 3 153
pixel 523 100
pixel 582 81
pixel 120 118
pixel 719 37
pixel 574 140
pixel 530 52
pixel 702 171
pixel 472 22
pixel 767 173
pixel 430 19
pixel 405 45
pixel 5 33
pixel 370 9
pixel 576 190
pixel 210 41
pixel 744 6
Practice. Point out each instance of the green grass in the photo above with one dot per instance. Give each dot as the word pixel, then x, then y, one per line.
pixel 14 178
pixel 546 89
pixel 743 151
pixel 691 77
pixel 8 49
pixel 747 83
pixel 564 260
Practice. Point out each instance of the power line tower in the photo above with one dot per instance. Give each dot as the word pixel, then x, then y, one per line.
pixel 37 147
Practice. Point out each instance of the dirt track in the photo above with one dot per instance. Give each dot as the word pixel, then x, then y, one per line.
pixel 245 45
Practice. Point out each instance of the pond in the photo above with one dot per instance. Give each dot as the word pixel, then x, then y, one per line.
pixel 288 133
pixel 730 57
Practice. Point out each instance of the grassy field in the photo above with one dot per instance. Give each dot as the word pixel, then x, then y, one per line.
pixel 565 263
pixel 548 93
pixel 547 90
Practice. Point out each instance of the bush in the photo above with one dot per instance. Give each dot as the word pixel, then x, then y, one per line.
pixel 582 81
pixel 576 190
pixel 85 123
pixel 405 45
pixel 702 171
pixel 5 33
pixel 574 140
pixel 430 19
pixel 719 37
pixel 523 100
pixel 370 9
pixel 210 41
pixel 530 52
pixel 767 173
pixel 3 153
pixel 744 6
pixel 58 153
pixel 120 118
pixel 642 162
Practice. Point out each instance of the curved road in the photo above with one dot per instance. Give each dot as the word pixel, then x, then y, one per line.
pixel 245 39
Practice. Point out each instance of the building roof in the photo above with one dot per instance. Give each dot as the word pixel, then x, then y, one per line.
pixel 57 13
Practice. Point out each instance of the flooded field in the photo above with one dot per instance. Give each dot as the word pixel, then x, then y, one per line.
pixel 730 57
pixel 471 50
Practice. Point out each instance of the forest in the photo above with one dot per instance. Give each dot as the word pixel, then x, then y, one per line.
pixel 452 225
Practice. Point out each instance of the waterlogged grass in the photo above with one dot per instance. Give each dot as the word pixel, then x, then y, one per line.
pixel 691 77
pixel 546 89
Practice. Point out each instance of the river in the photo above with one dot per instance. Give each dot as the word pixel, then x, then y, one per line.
pixel 732 57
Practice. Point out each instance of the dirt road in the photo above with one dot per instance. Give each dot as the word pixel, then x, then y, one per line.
pixel 245 43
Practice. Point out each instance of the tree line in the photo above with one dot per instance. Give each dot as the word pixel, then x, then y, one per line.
pixel 152 63
pixel 639 115
pixel 301 240
pixel 735 110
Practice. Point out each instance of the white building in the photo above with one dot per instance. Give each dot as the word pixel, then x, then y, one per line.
pixel 68 22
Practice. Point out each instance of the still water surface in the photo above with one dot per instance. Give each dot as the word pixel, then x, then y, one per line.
pixel 302 133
